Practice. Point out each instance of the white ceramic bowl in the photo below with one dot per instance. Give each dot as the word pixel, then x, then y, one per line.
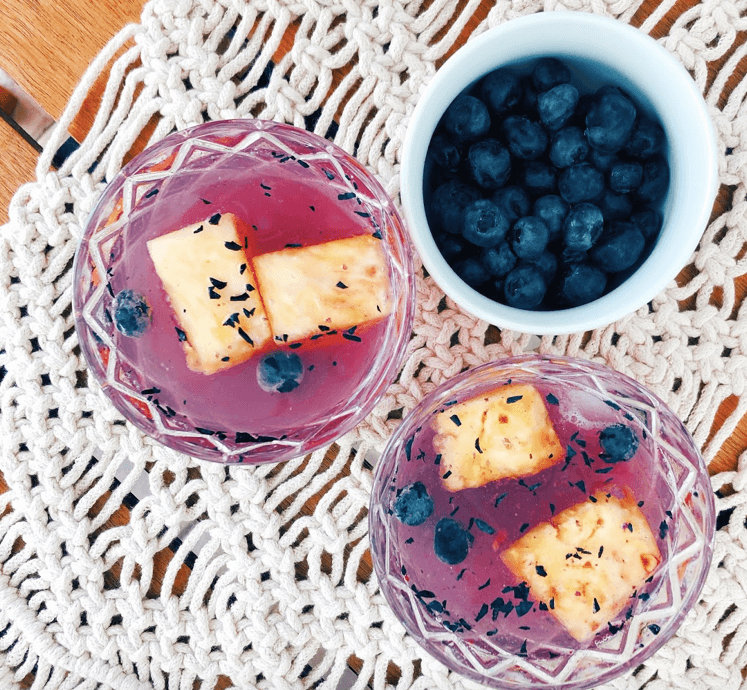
pixel 606 51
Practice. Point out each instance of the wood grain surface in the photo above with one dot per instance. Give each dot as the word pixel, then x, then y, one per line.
pixel 46 47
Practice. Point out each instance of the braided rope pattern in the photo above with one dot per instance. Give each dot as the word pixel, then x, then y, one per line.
pixel 125 565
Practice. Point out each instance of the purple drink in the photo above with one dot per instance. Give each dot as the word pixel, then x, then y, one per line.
pixel 263 190
pixel 498 578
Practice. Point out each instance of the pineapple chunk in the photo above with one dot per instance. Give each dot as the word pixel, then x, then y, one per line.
pixel 336 285
pixel 502 433
pixel 587 561
pixel 202 267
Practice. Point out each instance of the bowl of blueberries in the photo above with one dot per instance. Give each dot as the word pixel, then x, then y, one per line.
pixel 558 172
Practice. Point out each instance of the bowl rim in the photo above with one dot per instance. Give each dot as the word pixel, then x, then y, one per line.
pixel 694 185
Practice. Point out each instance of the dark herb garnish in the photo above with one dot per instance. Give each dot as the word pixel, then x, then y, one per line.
pixel 477 446
pixel 213 294
pixel 354 338
pixel 524 527
pixel 249 312
pixel 408 447
pixel 341 285
pixel 447 475
pixel 486 584
pixel 523 608
pixel 243 297
pixel 663 529
pixel 206 432
pixel 654 628
pixel 514 398
pixel 233 246
pixel 225 359
pixel 597 608
pixel 551 399
pixel 593 499
pixel 482 613
pixel 205 201
pixel 461 572
pixel 540 570
pixel 151 391
pixel 330 176
pixel 214 219
pixel 346 196
pixel 220 284
pixel 151 193
pixel 484 526
pixel 180 334
pixel 601 551
pixel 437 460
pixel 552 509
pixel 455 418
pixel 245 336
pixel 362 214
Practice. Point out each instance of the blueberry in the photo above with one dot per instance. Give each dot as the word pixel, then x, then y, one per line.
pixel 625 177
pixel 610 121
pixel 580 182
pixel 553 210
pixel 413 506
pixel 467 119
pixel 539 178
pixel 444 152
pixel 529 237
pixel 646 140
pixel 484 224
pixel 614 206
pixel 582 227
pixel 451 542
pixel 132 313
pixel 526 139
pixel 514 201
pixel 524 287
pixel 619 251
pixel 549 72
pixel 489 163
pixel 528 102
pixel 568 146
pixel 556 106
pixel 280 372
pixel 601 161
pixel 582 283
pixel 501 91
pixel 450 246
pixel 655 181
pixel 648 222
pixel 619 443
pixel 448 204
pixel 547 264
pixel 472 272
pixel 499 260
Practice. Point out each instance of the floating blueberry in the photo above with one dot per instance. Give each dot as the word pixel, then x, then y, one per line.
pixel 499 260
pixel 132 313
pixel 549 72
pixel 655 181
pixel 490 163
pixel 620 251
pixel 556 106
pixel 448 204
pixel 610 121
pixel 625 177
pixel 524 287
pixel 582 283
pixel 451 542
pixel 526 139
pixel 413 506
pixel 472 272
pixel 619 443
pixel 467 119
pixel 514 201
pixel 444 152
pixel 280 372
pixel 539 178
pixel 568 146
pixel 484 224
pixel 529 237
pixel 648 221
pixel 582 227
pixel 553 210
pixel 501 91
pixel 614 206
pixel 646 139
pixel 580 182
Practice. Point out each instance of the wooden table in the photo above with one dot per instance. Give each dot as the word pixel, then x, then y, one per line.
pixel 46 48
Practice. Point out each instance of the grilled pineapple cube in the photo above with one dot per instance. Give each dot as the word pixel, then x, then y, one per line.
pixel 586 562
pixel 502 433
pixel 334 285
pixel 212 290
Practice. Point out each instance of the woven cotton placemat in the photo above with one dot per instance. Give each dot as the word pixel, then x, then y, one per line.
pixel 125 565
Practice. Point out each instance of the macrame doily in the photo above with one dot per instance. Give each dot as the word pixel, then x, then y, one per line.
pixel 124 565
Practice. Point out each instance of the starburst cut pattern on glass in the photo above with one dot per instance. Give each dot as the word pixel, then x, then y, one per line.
pixel 136 191
pixel 503 668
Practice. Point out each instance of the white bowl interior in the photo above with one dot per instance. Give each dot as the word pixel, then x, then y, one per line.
pixel 605 51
